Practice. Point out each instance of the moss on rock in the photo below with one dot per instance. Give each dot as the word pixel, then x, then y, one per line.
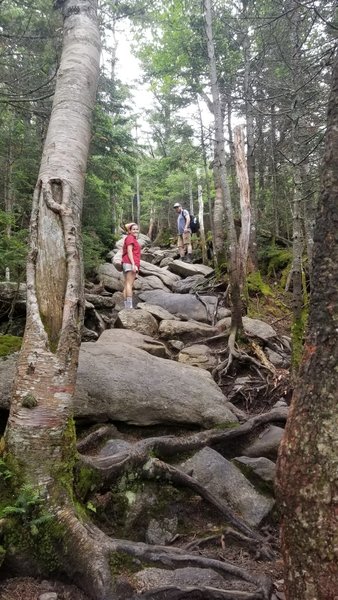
pixel 9 344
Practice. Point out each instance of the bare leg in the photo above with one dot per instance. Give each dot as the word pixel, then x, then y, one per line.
pixel 129 279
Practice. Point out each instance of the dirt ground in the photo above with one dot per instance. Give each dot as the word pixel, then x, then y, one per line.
pixel 27 588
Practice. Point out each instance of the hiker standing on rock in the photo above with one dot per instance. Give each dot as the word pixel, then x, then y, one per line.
pixel 131 258
pixel 184 233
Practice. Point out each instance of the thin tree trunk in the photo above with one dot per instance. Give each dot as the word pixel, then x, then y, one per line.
pixel 201 218
pixel 307 467
pixel 207 185
pixel 244 193
pixel 234 280
pixel 298 325
pixel 250 132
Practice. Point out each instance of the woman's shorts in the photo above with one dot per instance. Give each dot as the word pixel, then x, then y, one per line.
pixel 127 267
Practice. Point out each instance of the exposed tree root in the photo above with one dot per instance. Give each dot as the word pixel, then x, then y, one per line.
pixel 110 467
pixel 95 437
pixel 195 593
pixel 91 569
pixel 155 468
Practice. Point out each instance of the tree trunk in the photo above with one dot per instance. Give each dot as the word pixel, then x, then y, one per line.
pixel 201 218
pixel 39 438
pixel 298 325
pixel 249 117
pixel 307 466
pixel 244 193
pixel 236 312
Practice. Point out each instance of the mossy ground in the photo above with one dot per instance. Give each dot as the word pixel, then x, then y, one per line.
pixel 9 344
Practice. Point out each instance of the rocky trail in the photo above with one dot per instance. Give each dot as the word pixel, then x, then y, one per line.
pixel 176 449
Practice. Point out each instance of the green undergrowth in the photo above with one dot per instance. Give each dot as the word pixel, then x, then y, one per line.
pixel 9 344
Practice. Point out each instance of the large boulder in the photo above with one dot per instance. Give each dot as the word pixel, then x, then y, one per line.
pixel 186 269
pixel 185 306
pixel 188 285
pixel 198 355
pixel 137 320
pixel 110 277
pixel 118 382
pixel 228 484
pixel 186 331
pixel 169 279
pixel 252 327
pixel 136 340
pixel 158 312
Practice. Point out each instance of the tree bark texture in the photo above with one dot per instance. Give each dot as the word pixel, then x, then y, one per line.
pixel 244 194
pixel 220 164
pixel 308 466
pixel 39 434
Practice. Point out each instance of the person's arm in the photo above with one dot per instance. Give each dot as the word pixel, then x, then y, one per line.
pixel 187 220
pixel 131 256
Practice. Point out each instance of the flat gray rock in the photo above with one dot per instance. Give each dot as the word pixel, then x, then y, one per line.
pixel 262 467
pixel 185 306
pixel 118 382
pixel 137 320
pixel 266 444
pixel 185 330
pixel 151 578
pixel 134 339
pixel 252 327
pixel 158 312
pixel 187 285
pixel 198 355
pixel 227 483
pixel 168 279
pixel 186 269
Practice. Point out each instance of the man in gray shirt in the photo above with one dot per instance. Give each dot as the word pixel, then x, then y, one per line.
pixel 184 233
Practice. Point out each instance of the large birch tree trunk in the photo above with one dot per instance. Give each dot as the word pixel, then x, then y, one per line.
pixel 308 467
pixel 39 438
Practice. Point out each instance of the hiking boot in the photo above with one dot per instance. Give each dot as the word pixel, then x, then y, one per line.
pixel 188 258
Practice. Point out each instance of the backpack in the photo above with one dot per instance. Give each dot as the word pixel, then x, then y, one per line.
pixel 194 224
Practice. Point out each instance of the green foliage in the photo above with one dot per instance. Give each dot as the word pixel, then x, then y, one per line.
pixel 9 344
pixel 13 246
pixel 27 509
pixel 5 472
pixel 93 251
pixel 256 285
pixel 275 259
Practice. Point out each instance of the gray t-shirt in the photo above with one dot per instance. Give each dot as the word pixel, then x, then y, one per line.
pixel 181 220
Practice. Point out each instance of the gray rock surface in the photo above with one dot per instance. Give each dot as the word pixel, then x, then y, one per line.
pixel 136 340
pixel 185 306
pixel 266 444
pixel 185 330
pixel 227 483
pixel 167 278
pixel 118 382
pixel 198 355
pixel 157 311
pixel 110 277
pixel 151 578
pixel 137 320
pixel 186 269
pixel 7 374
pixel 253 327
pixel 262 467
pixel 185 286
pixel 161 532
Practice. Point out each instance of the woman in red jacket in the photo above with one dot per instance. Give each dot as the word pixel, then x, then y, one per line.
pixel 131 258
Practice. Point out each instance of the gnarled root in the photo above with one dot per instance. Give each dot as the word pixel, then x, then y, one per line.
pixel 88 553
